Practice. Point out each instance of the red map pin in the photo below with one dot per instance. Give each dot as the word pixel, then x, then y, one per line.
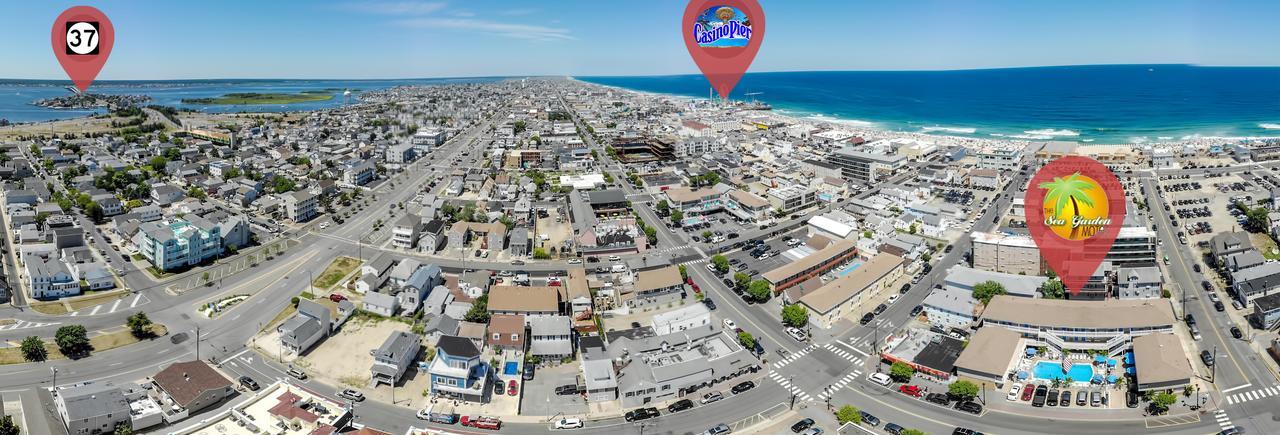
pixel 1075 207
pixel 723 37
pixel 82 38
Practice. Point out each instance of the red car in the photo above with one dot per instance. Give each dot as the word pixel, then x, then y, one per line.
pixel 910 390
pixel 511 387
pixel 1027 392
pixel 334 297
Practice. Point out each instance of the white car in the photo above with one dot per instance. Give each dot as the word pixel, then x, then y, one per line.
pixel 892 299
pixel 880 378
pixel 324 225
pixel 728 324
pixel 1013 393
pixel 569 423
pixel 796 333
pixel 575 261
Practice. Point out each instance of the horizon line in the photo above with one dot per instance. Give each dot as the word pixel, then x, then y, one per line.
pixel 1194 65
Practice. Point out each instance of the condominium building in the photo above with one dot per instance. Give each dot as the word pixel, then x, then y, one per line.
pixel 1066 325
pixel 1004 159
pixel 791 198
pixel 863 166
pixel 179 243
pixel 300 206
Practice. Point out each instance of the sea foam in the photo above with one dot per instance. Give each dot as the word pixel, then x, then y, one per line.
pixel 1269 126
pixel 961 130
pixel 1052 132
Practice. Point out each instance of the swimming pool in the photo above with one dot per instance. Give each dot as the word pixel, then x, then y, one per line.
pixel 850 268
pixel 511 368
pixel 1053 370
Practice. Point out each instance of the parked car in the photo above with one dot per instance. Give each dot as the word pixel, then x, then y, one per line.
pixel 680 405
pixel 728 324
pixel 297 374
pixel 1065 400
pixel 917 310
pixel 893 428
pixel 869 419
pixel 352 395
pixel 719 429
pixel 641 414
pixel 567 390
pixel 938 398
pixel 910 390
pixel 1082 398
pixel 1235 332
pixel 713 396
pixel 1207 358
pixel 569 423
pixel 249 383
pixel 1028 392
pixel 1095 399
pixel 334 297
pixel 1014 392
pixel 879 378
pixel 812 431
pixel 969 407
pixel 880 309
pixel 512 389
pixel 866 318
pixel 711 305
pixel 743 387
pixel 802 425
pixel 796 333
pixel 1053 398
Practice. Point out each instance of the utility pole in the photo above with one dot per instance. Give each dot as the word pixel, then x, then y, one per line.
pixel 197 343
pixel 793 393
pixel 55 380
pixel 1213 369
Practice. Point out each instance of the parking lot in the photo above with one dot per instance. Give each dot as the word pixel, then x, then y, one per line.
pixel 539 397
pixel 1204 206
pixel 741 260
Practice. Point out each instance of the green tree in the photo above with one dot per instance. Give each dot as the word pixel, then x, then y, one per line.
pixel 795 315
pixel 123 429
pixel 676 216
pixel 759 290
pixel 1070 189
pixel 33 349
pixel 1053 289
pixel 913 228
pixel 963 390
pixel 848 414
pixel 901 372
pixel 926 257
pixel 72 340
pixel 741 280
pixel 479 312
pixel 720 262
pixel 1256 220
pixel 540 253
pixel 651 234
pixel 7 426
pixel 912 432
pixel 157 163
pixel 1161 401
pixel 706 235
pixel 663 207
pixel 230 173
pixel 747 340
pixel 283 184
pixel 867 234
pixel 139 325
pixel 986 290
pixel 197 193
pixel 684 272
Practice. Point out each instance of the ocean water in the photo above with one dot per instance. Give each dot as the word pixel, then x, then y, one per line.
pixel 1108 104
pixel 17 96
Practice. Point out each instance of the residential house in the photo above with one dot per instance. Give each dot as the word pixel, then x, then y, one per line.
pixel 50 278
pixel 305 328
pixel 551 337
pixel 657 286
pixel 506 333
pixel 381 304
pixel 393 358
pixel 457 370
pixel 300 206
pixel 404 234
pixel 92 408
pixel 190 387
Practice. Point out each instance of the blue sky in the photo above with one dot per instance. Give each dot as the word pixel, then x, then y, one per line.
pixel 399 39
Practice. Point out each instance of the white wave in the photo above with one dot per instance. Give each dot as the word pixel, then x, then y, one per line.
pixel 1269 126
pixel 996 134
pixel 1030 136
pixel 1052 132
pixel 1164 137
pixel 1086 140
pixel 1138 139
pixel 961 130
pixel 857 122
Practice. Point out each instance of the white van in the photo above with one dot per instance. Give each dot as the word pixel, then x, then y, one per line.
pixel 880 378
pixel 619 268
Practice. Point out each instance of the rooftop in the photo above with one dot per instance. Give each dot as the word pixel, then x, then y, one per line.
pixel 1060 313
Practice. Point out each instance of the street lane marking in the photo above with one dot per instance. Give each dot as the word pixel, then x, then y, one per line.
pixel 135 300
pixel 116 305
pixel 95 310
pixel 1236 388
pixel 855 349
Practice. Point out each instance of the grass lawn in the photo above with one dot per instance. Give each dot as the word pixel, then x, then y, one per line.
pixel 100 343
pixel 1265 245
pixel 340 267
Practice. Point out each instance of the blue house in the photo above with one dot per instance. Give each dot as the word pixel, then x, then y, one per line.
pixel 457 371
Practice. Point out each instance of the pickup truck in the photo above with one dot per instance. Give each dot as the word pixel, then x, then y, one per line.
pixel 482 422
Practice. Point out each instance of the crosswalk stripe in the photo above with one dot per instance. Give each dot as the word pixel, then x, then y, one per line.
pixel 1272 390
pixel 1231 400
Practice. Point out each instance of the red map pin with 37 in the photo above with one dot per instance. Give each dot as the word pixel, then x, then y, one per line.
pixel 723 37
pixel 1075 207
pixel 82 37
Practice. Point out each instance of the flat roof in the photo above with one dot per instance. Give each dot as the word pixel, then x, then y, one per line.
pixel 791 269
pixel 659 278
pixel 524 299
pixel 990 350
pixel 836 292
pixel 1160 358
pixel 1061 313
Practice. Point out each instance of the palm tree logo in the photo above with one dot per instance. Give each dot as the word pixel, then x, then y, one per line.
pixel 1077 190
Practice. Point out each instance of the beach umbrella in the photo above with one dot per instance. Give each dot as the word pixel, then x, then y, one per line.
pixel 1031 351
pixel 1097 379
pixel 1111 379
pixel 1022 374
pixel 1111 362
pixel 1099 358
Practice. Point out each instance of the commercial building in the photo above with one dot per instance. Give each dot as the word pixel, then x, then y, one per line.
pixel 92 408
pixel 665 367
pixel 1003 159
pixel 656 287
pixel 989 355
pixel 863 166
pixel 746 206
pixel 842 297
pixel 1160 363
pixel 792 198
pixel 1006 253
pixel 1077 325
pixel 280 409
pixel 179 243
pixel 834 254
